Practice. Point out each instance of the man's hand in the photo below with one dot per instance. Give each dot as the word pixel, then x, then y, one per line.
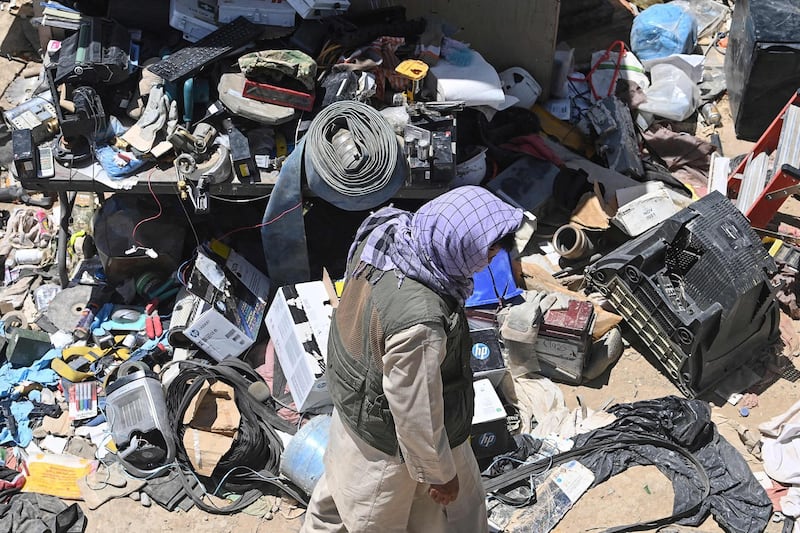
pixel 446 493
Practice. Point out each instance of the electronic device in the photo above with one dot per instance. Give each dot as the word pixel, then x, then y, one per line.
pixel 138 418
pixel 24 155
pixel 314 9
pixel 98 53
pixel 430 145
pixel 37 114
pixel 189 60
pixel 46 167
pixel 564 342
pixel 762 64
pixel 697 291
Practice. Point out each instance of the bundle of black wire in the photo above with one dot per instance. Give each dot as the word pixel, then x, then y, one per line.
pixel 253 460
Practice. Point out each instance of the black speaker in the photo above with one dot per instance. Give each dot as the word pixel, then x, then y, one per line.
pixel 762 62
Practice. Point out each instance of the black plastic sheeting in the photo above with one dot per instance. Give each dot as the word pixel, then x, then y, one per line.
pixel 737 501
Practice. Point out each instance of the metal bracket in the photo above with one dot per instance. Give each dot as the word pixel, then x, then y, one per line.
pixel 782 193
pixel 198 194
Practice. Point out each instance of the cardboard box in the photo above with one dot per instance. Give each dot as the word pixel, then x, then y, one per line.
pixel 298 321
pixel 211 421
pixel 233 294
pixel 489 435
pixel 487 358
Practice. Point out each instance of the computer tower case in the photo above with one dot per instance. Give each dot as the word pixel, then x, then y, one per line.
pixel 762 62
pixel 696 293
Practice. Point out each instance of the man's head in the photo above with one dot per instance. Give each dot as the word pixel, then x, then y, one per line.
pixel 460 231
pixel 506 242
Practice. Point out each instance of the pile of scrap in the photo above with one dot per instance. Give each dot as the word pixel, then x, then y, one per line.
pixel 184 362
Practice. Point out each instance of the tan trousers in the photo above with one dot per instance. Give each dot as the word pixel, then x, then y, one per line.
pixel 364 490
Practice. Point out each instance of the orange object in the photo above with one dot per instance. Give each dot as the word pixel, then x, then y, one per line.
pixel 782 184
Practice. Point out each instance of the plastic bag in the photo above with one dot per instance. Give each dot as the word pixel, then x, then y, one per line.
pixel 673 95
pixel 662 30
pixel 608 67
pixel 708 14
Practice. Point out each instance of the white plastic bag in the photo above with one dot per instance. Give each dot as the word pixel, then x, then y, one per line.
pixel 672 94
pixel 607 68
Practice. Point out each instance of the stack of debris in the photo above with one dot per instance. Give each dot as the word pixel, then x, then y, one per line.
pixel 185 363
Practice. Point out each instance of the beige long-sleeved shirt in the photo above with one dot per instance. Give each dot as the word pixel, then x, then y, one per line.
pixel 412 383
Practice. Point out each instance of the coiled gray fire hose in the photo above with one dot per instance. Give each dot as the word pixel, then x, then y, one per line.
pixel 352 156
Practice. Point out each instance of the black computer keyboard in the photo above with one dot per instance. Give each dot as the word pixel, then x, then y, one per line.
pixel 191 59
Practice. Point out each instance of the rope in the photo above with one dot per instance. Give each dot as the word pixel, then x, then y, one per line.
pixel 353 148
pixel 254 457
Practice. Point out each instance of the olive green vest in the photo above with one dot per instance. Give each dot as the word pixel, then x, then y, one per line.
pixel 367 314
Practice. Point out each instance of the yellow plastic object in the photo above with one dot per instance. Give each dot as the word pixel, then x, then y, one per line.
pixel 563 132
pixel 281 146
pixel 90 354
pixel 777 244
pixel 413 69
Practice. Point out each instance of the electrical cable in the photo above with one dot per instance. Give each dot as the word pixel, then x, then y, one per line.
pixel 262 224
pixel 257 448
pixel 353 150
pixel 148 219
pixel 188 218
pixel 243 201
pixel 510 479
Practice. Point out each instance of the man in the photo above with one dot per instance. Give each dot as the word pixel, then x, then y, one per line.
pixel 398 456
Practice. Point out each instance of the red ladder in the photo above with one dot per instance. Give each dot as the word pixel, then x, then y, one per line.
pixel 784 182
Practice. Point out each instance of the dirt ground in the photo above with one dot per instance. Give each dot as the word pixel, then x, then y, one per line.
pixel 639 494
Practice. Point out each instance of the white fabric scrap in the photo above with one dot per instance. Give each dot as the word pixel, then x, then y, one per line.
pixel 781 453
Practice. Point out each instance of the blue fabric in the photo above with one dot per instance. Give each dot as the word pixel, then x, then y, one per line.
pixel 283 234
pixel 495 279
pixel 662 30
pixel 20 411
pixel 38 372
pixel 106 155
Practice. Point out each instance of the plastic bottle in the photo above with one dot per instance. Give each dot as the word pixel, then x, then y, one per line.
pixel 711 114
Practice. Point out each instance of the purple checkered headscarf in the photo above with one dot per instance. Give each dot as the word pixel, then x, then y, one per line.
pixel 443 244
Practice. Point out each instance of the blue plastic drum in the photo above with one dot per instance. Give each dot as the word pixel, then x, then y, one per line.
pixel 301 461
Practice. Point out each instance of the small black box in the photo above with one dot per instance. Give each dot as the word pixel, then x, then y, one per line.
pixel 486 357
pixel 24 154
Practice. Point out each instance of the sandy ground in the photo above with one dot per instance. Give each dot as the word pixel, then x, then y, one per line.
pixel 640 493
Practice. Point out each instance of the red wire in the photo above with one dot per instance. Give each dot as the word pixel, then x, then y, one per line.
pixel 605 56
pixel 157 215
pixel 267 223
